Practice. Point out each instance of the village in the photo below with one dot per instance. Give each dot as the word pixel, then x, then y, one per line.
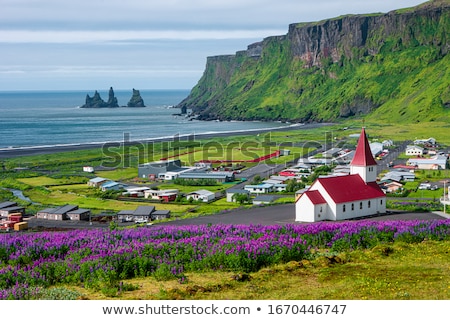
pixel 395 171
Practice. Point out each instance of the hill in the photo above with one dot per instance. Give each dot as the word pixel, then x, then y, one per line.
pixel 393 67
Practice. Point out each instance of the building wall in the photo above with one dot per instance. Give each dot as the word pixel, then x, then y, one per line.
pixel 366 173
pixel 306 211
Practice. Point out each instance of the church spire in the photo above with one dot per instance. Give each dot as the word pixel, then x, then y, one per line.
pixel 363 162
pixel 363 154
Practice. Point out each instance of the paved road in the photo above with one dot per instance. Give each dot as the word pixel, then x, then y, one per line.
pixel 281 215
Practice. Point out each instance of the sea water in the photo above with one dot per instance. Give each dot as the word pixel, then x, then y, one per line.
pixel 46 118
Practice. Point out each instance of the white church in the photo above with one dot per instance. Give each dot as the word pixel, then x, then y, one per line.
pixel 344 197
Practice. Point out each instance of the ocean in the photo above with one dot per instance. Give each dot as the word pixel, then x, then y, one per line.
pixel 46 118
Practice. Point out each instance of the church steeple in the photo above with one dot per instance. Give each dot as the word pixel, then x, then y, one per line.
pixel 363 162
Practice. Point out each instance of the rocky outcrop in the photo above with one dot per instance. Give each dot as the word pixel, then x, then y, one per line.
pixel 136 100
pixel 97 102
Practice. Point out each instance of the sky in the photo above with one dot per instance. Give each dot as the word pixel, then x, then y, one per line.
pixel 143 44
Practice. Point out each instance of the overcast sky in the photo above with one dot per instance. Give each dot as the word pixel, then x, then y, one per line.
pixel 143 44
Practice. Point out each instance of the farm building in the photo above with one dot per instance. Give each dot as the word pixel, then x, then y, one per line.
pixel 217 176
pixel 438 162
pixel 201 195
pixel 152 170
pixel 65 212
pixel 160 214
pixel 344 197
pixel 97 182
pixel 79 214
pixel 4 212
pixel 112 185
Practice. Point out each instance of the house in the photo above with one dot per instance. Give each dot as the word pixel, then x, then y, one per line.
pixel 392 186
pixel 165 195
pixel 59 213
pixel 141 214
pixel 331 153
pixel 79 214
pixel 232 192
pixel 201 195
pixel 4 212
pixel 414 151
pixel 399 175
pixel 376 148
pixel 160 214
pixel 153 170
pixel 135 192
pixel 7 204
pixel 88 169
pixel 438 162
pixel 279 187
pixel 259 188
pixel 430 142
pixel 112 185
pixel 344 197
pixel 263 199
pixel 217 176
pixel 97 182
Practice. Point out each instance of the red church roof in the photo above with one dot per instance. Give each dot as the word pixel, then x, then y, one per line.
pixel 350 188
pixel 363 155
pixel 315 197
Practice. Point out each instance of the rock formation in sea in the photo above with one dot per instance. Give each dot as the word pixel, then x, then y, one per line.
pixel 136 100
pixel 97 102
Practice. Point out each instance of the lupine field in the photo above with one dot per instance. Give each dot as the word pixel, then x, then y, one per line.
pixel 33 261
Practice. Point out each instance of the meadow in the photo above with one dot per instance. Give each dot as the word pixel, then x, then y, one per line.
pixel 108 261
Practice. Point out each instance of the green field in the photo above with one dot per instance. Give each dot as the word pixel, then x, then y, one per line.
pixel 398 272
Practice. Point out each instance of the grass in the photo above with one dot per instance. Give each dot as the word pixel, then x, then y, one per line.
pixel 395 272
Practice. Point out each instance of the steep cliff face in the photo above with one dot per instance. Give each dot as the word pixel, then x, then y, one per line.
pixel 351 65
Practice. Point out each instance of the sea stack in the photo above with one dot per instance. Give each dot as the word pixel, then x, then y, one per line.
pixel 136 100
pixel 97 102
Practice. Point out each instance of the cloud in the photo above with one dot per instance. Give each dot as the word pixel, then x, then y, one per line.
pixel 54 36
pixel 55 44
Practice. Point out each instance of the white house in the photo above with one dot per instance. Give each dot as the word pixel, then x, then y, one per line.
pixel 201 195
pixel 414 151
pixel 434 163
pixel 344 197
pixel 88 169
pixel 259 188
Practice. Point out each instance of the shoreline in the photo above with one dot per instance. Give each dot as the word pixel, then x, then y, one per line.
pixel 13 152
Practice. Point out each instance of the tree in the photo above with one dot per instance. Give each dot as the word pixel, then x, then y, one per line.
pixel 241 198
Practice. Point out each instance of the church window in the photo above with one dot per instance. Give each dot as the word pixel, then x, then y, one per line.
pixel 343 208
pixel 353 206
pixel 368 204
pixel 360 205
pixel 381 201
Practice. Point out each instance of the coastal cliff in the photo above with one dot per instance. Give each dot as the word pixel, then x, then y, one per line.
pixel 391 66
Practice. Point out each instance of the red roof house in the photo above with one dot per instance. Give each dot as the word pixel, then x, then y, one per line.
pixel 345 197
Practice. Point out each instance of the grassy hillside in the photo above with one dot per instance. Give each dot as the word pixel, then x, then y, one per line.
pixel 399 72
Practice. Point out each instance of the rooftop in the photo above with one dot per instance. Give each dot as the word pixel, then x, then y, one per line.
pixel 363 153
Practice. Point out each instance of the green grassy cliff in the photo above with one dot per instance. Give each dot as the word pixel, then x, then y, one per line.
pixel 393 67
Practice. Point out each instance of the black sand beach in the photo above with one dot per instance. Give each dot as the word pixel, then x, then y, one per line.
pixel 39 150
